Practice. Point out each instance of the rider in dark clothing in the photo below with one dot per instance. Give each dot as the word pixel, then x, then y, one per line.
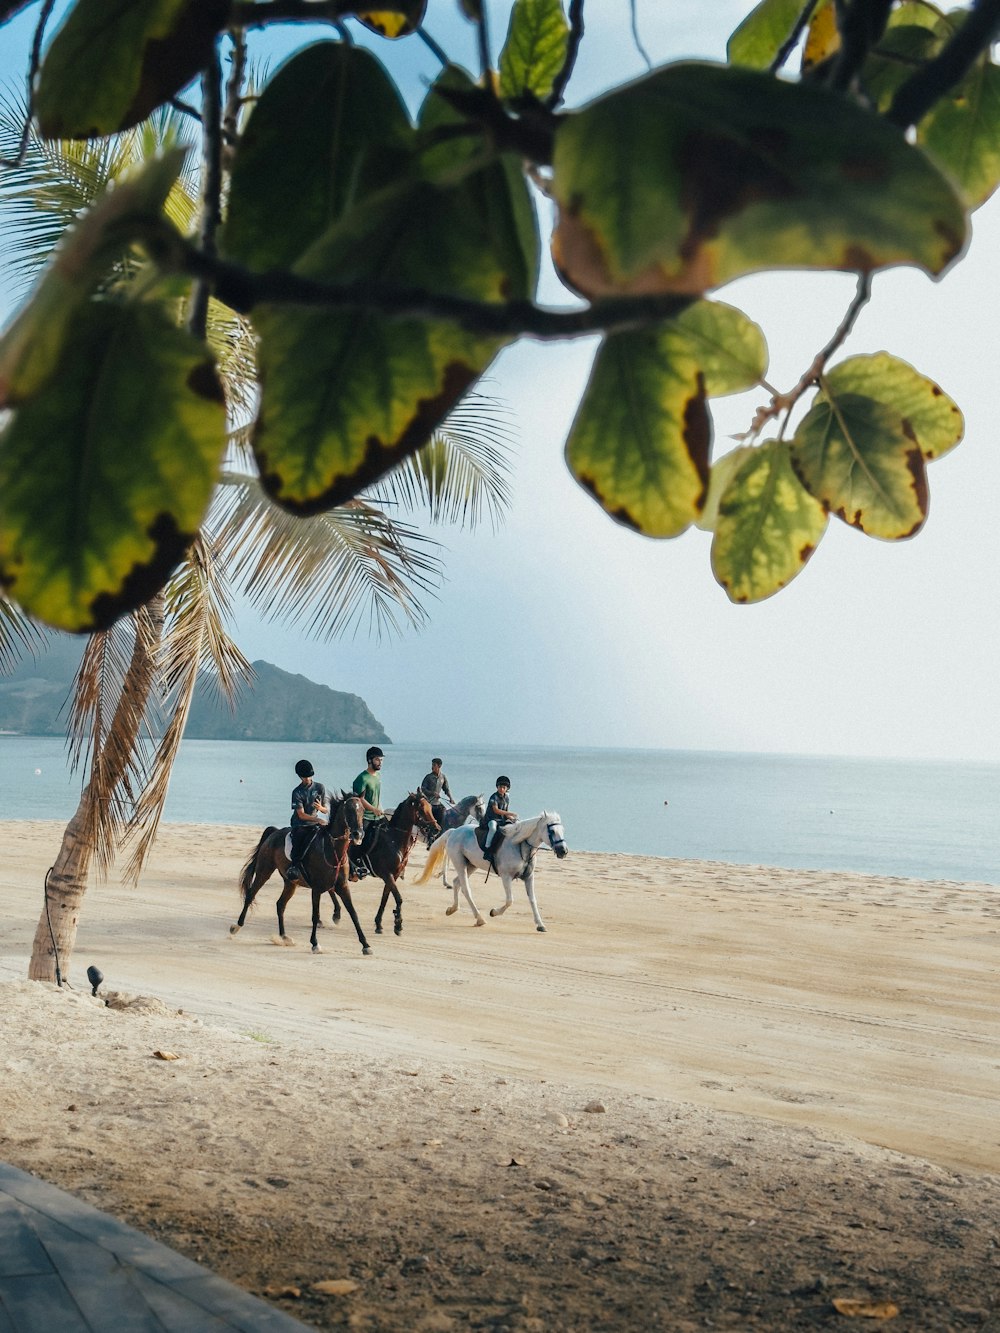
pixel 498 811
pixel 310 811
pixel 432 786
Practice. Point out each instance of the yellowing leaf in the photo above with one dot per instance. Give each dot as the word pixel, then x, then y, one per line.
pixel 106 473
pixel 535 50
pixel 862 448
pixel 699 173
pixel 856 1309
pixel 640 442
pixel 390 23
pixel 338 1286
pixel 822 37
pixel 767 526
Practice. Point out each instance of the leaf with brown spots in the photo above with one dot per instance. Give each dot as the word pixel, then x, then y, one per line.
pixel 346 395
pixel 767 526
pixel 862 448
pixel 641 439
pixel 698 174
pixel 112 62
pixel 106 473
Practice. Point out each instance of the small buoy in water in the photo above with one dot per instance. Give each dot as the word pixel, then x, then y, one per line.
pixel 666 802
pixel 38 772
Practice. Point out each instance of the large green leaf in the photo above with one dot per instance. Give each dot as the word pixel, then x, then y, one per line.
pixel 760 36
pixel 31 346
pixel 962 133
pixel 535 50
pixel 113 61
pixel 328 131
pixel 767 526
pixel 347 394
pixel 106 474
pixel 699 173
pixel 640 442
pixel 862 448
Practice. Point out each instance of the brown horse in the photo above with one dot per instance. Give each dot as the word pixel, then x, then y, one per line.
pixel 324 866
pixel 390 848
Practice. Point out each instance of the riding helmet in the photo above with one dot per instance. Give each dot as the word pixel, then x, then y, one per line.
pixel 373 753
pixel 502 781
pixel 304 769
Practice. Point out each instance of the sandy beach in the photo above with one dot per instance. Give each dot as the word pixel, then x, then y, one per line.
pixel 708 1097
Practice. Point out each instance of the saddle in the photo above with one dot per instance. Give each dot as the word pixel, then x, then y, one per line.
pixel 491 854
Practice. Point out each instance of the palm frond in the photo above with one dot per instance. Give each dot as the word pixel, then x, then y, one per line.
pixel 18 635
pixel 462 472
pixel 331 573
pixel 119 751
pixel 196 646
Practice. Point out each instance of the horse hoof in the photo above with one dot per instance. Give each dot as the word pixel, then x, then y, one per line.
pixel 320 925
pixel 378 930
pixel 540 929
pixel 494 912
pixel 450 911
pixel 398 928
pixel 287 941
pixel 480 921
pixel 317 949
pixel 233 930
pixel 367 949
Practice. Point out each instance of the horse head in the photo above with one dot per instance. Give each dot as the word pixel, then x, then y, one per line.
pixel 554 833
pixel 479 807
pixel 423 815
pixel 354 819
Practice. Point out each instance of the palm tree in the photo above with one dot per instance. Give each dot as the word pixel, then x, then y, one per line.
pixel 326 574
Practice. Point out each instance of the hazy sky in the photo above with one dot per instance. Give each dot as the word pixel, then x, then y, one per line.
pixel 566 629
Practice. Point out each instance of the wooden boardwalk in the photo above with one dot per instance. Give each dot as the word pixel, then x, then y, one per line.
pixel 67 1268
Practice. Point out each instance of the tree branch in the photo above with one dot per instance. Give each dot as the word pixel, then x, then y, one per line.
pixel 862 26
pixel 36 59
pixel 784 402
pixel 930 83
pixel 211 193
pixel 243 291
pixel 572 50
pixel 792 40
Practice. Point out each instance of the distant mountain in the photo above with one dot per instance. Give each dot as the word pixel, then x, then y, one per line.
pixel 284 707
pixel 279 706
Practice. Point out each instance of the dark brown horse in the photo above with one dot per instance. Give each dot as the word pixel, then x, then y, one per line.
pixel 390 849
pixel 324 866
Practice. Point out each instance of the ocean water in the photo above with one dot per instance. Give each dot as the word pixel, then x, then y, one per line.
pixel 922 820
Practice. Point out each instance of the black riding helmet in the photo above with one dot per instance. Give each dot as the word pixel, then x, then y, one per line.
pixel 502 781
pixel 374 753
pixel 304 769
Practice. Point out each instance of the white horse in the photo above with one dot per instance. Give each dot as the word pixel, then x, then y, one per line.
pixel 514 860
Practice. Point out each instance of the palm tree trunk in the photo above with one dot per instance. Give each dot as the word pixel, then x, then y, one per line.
pixel 66 882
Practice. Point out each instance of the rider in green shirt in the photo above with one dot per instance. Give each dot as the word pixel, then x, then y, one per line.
pixel 368 786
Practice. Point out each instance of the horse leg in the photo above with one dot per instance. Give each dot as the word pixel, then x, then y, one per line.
pixel 286 896
pixel 344 892
pixel 336 907
pixel 462 882
pixel 261 876
pixel 381 908
pixel 397 911
pixel 507 888
pixel 529 888
pixel 317 894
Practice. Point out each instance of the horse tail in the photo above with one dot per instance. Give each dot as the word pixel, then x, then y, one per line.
pixel 250 869
pixel 438 849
